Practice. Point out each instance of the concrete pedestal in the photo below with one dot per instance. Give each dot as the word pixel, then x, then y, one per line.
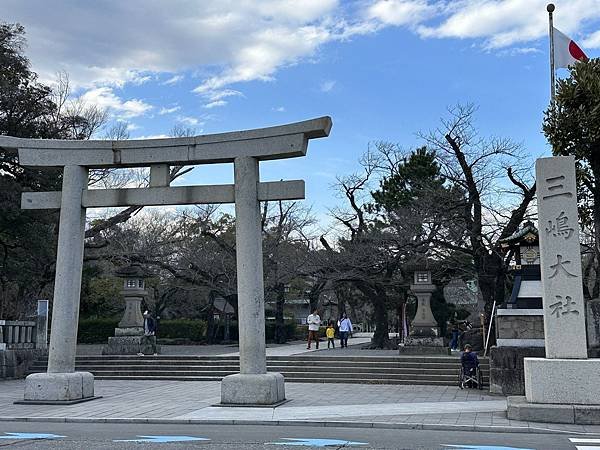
pixel 518 408
pixel 59 387
pixel 252 389
pixel 569 381
pixel 131 345
pixel 424 346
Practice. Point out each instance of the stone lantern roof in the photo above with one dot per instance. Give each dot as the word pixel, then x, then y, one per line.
pixel 424 264
pixel 131 271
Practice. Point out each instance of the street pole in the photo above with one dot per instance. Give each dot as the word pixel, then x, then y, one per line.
pixel 550 8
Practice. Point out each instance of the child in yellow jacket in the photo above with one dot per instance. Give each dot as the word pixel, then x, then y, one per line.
pixel 330 333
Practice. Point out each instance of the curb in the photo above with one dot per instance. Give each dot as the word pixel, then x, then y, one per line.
pixel 330 424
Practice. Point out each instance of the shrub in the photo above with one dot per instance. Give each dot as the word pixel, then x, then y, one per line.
pixel 97 331
pixel 194 330
pixel 289 331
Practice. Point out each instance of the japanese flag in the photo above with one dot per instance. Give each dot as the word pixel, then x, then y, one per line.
pixel 566 51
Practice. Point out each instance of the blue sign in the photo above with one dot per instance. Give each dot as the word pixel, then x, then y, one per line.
pixel 31 436
pixel 163 439
pixel 317 442
pixel 485 447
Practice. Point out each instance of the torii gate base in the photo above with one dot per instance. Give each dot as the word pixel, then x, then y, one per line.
pixel 253 385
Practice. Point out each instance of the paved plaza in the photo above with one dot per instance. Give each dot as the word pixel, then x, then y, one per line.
pixel 315 404
pixel 386 406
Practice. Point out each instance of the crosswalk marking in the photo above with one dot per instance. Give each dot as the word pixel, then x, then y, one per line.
pixel 586 441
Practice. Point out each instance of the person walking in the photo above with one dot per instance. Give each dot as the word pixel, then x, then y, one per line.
pixel 330 334
pixel 345 328
pixel 454 340
pixel 314 322
pixel 149 334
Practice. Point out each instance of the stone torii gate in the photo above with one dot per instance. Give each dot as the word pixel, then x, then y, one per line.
pixel 253 385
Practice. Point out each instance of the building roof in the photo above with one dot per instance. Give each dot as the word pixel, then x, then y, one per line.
pixel 528 233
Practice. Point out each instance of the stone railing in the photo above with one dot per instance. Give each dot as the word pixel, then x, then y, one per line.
pixel 17 334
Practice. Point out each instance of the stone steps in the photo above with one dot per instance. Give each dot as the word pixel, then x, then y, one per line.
pixel 414 381
pixel 303 369
pixel 271 368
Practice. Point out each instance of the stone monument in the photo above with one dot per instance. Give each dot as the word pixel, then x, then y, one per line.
pixel 129 338
pixel 465 296
pixel 424 336
pixel 245 149
pixel 563 387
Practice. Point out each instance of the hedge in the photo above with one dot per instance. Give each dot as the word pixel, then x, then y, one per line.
pixel 97 331
pixel 194 330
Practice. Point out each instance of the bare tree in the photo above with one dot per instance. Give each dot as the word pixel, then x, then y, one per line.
pixel 481 167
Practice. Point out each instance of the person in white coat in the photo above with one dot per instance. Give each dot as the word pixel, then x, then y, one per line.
pixel 345 328
pixel 314 322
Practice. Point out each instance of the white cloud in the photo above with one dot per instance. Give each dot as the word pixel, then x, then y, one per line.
pixel 592 41
pixel 109 43
pixel 264 52
pixel 187 120
pixel 216 97
pixel 153 136
pixel 327 86
pixel 104 97
pixel 279 109
pixel 164 110
pixel 141 79
pixel 504 23
pixel 215 104
pixel 173 80
pixel 401 12
pixel 132 127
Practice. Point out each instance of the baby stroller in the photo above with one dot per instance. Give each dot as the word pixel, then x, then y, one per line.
pixel 469 375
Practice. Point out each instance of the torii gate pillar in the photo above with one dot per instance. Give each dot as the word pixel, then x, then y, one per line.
pixel 61 383
pixel 253 385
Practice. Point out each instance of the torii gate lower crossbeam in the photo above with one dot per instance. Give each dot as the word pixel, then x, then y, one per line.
pixel 253 385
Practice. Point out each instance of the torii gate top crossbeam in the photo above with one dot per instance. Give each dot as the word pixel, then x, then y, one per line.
pixel 284 141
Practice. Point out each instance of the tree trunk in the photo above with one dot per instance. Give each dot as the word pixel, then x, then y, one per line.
pixel 377 297
pixel 210 319
pixel 280 337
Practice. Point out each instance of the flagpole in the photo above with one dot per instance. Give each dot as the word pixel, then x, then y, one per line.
pixel 550 8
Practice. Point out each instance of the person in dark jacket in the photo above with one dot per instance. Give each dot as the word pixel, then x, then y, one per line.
pixel 149 324
pixel 149 335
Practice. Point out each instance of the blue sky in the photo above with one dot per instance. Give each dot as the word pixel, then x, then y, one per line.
pixel 382 69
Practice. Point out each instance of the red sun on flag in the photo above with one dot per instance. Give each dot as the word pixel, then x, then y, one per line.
pixel 566 51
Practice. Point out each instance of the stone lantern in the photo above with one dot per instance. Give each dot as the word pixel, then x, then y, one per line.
pixel 129 336
pixel 424 337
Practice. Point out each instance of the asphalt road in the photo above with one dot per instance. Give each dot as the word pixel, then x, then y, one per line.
pixel 105 436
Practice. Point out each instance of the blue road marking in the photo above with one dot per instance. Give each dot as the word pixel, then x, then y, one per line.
pixel 163 439
pixel 485 447
pixel 31 436
pixel 316 442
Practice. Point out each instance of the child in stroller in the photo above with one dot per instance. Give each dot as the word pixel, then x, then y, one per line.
pixel 470 374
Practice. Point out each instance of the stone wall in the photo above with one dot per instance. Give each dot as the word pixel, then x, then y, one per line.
pixel 520 327
pixel 507 376
pixel 15 363
pixel 593 323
